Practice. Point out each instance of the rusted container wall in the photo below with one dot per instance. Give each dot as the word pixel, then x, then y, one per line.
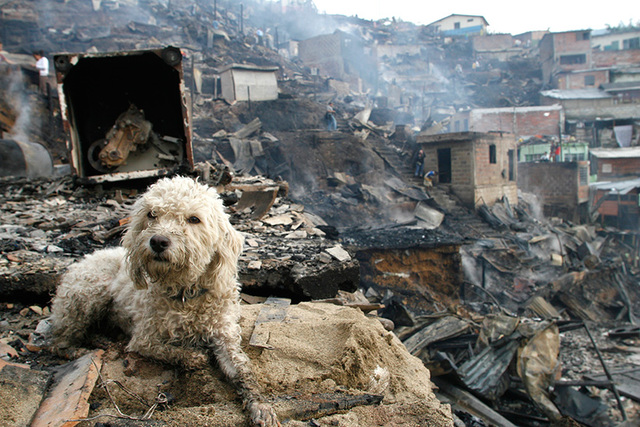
pixel 97 88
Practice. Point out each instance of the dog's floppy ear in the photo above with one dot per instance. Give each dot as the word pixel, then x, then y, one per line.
pixel 223 269
pixel 135 270
pixel 234 242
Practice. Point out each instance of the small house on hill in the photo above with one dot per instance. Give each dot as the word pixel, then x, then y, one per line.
pixel 459 25
pixel 480 168
pixel 241 82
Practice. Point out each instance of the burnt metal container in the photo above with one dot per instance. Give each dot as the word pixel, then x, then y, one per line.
pixel 125 113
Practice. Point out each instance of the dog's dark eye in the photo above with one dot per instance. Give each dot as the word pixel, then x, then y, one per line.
pixel 151 215
pixel 193 220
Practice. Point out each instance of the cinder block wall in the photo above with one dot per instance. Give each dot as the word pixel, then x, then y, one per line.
pixel 557 186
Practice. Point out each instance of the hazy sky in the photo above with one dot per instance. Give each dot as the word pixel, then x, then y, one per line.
pixel 503 17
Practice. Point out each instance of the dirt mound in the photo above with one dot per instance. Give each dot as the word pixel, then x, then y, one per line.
pixel 317 350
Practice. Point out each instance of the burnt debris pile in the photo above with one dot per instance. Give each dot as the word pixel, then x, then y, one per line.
pixel 358 272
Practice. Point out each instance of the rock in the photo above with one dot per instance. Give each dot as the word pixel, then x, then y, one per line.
pixel 339 253
pixel 21 390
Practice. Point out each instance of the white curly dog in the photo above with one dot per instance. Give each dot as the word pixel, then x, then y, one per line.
pixel 172 286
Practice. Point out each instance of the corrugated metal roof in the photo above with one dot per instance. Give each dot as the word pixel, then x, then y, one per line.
pixel 621 187
pixel 614 87
pixel 247 67
pixel 462 16
pixel 616 153
pixel 575 94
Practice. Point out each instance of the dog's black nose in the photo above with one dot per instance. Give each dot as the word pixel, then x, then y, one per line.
pixel 159 243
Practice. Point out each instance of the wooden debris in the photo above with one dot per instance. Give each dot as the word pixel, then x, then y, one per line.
pixel 322 405
pixel 68 398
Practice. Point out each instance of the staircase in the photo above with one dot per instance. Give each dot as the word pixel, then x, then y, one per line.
pixel 458 217
pixel 399 162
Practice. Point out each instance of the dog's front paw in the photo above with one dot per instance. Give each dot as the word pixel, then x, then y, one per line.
pixel 68 352
pixel 262 414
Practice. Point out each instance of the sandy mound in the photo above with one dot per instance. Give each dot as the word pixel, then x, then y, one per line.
pixel 323 350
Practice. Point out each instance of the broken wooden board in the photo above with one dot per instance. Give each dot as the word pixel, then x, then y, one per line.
pixel 273 310
pixel 68 398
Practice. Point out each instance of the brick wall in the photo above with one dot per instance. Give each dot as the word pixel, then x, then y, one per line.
pixel 570 43
pixel 572 81
pixel 555 45
pixel 526 121
pixel 491 194
pixel 416 271
pixel 618 168
pixel 612 58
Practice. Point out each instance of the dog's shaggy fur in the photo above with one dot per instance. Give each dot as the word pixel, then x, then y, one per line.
pixel 172 286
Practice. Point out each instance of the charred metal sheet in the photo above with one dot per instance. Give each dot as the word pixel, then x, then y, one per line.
pixel 486 373
pixel 446 327
pixel 125 113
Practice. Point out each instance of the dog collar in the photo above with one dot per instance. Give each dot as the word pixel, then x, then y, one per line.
pixel 185 297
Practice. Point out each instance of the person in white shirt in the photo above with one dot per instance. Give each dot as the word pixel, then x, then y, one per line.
pixel 42 65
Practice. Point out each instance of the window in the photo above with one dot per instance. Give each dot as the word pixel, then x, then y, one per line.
pixel 633 43
pixel 573 59
pixel 512 164
pixel 456 25
pixel 466 125
pixel 589 80
pixel 457 126
pixel 574 157
pixel 492 154
pixel 583 36
pixel 583 172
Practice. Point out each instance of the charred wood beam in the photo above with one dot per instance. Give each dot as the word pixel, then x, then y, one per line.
pixel 614 389
pixel 322 405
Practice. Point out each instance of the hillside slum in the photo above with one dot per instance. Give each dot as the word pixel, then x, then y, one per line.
pixel 516 318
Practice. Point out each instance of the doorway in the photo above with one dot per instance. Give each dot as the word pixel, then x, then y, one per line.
pixel 444 165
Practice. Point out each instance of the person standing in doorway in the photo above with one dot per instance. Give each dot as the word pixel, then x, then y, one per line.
pixel 42 65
